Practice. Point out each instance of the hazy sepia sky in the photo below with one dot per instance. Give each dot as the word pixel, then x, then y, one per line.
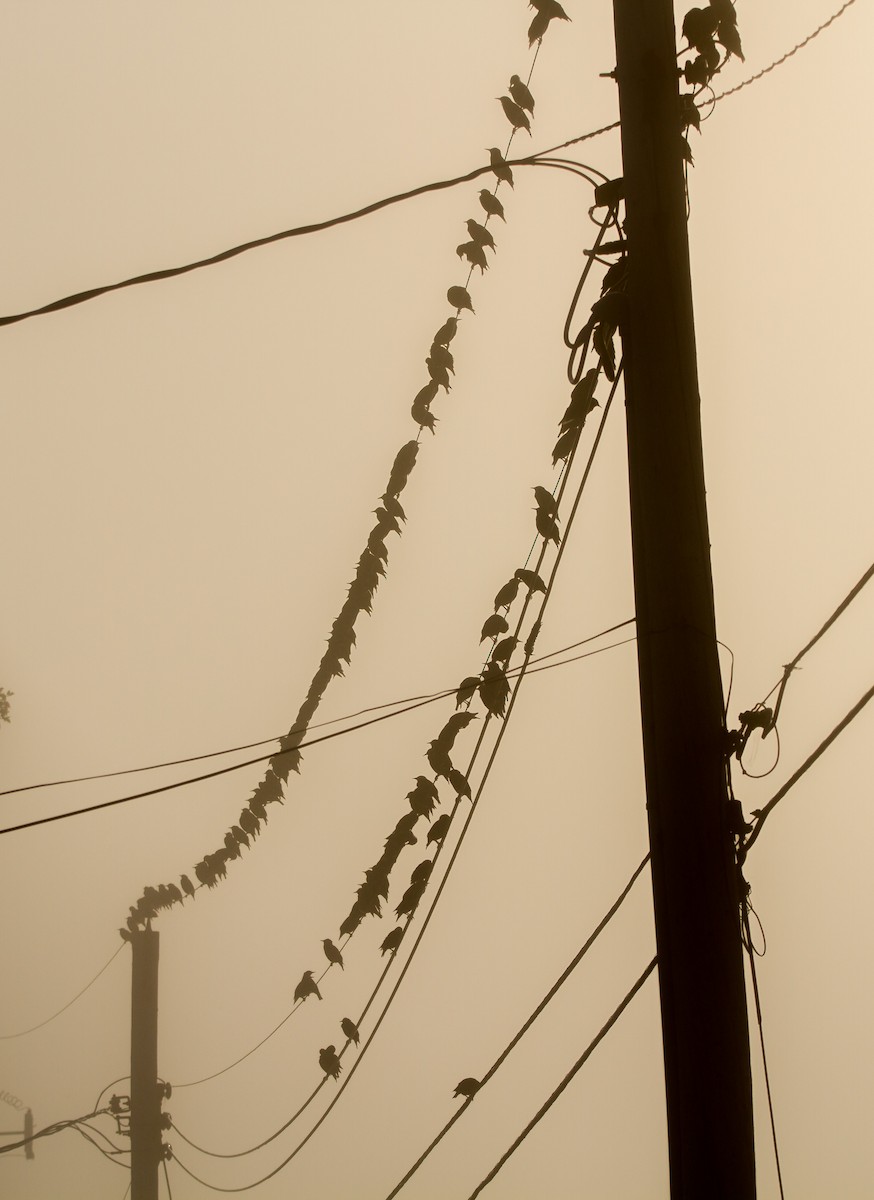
pixel 189 471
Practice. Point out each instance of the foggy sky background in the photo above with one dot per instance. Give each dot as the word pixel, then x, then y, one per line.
pixel 189 470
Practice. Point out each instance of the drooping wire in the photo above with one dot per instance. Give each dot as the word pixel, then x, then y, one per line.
pixel 81 1128
pixel 762 814
pixel 50 1130
pixel 6 1036
pixel 525 667
pixel 779 62
pixel 790 667
pixel 572 965
pixel 302 745
pixel 258 1045
pixel 581 1061
pixel 453 858
pixel 441 694
pixel 752 957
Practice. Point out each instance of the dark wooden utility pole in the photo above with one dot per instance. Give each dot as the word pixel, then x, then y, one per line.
pixel 703 999
pixel 145 1097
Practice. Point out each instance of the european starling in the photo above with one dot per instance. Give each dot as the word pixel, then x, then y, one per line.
pixel 307 987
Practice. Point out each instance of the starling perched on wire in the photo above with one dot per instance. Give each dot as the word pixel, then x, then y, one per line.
pixel 350 1029
pixel 480 234
pixel 459 297
pixel 492 204
pixel 332 954
pixel 437 832
pixel 329 1062
pixel 499 165
pixel 306 987
pixel 467 1088
pixel 474 253
pixel 514 114
pixel 393 940
pixel 520 93
pixel 446 332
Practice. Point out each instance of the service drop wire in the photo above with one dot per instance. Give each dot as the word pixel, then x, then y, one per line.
pixel 276 1028
pixel 572 965
pixel 763 813
pixel 581 1062
pixel 452 860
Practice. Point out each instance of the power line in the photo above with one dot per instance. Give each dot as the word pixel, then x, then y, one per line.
pixel 721 95
pixel 844 604
pixel 442 694
pixel 233 251
pixel 278 754
pixel 49 1130
pixel 752 957
pixel 581 1061
pixel 763 813
pixel 474 802
pixel 518 672
pixel 6 1036
pixel 575 961
pixel 779 62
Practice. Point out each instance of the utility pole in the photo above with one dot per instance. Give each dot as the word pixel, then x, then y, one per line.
pixel 701 982
pixel 145 1097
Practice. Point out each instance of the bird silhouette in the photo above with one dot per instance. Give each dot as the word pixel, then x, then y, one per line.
pixel 531 580
pixel 439 759
pixel 423 797
pixel 332 954
pixel 547 526
pixel 459 297
pixel 494 689
pixel 480 235
pixel 440 354
pixel 393 940
pixel 474 253
pixel 519 92
pixel 492 204
pixel 507 594
pixel 466 690
pixel 350 1029
pixel 546 501
pixel 421 872
pixel 514 114
pixel 467 1088
pixel 458 781
pixel 306 987
pixel 187 886
pixel 504 650
pixel 446 332
pixel 547 10
pixel 494 626
pixel 450 731
pixel 437 832
pixel 438 373
pixel 499 166
pixel 329 1062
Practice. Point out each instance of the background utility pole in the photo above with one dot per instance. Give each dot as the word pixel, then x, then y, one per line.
pixel 703 1001
pixel 145 1098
